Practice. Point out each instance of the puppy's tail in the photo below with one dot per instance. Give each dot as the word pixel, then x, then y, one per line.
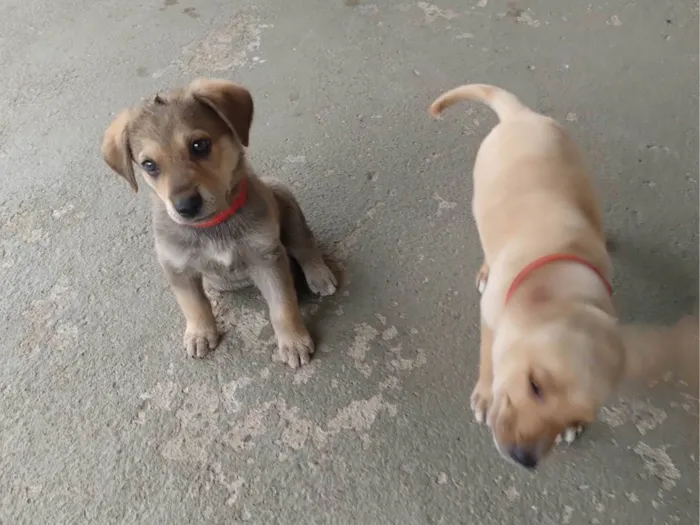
pixel 505 104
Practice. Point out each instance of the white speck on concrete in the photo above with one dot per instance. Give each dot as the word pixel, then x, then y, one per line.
pixel 526 17
pixel 512 493
pixel 567 515
pixel 614 21
pixel 443 204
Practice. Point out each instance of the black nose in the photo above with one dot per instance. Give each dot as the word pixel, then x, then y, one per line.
pixel 523 456
pixel 189 205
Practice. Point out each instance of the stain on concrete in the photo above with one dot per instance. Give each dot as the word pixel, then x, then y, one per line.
pixel 198 417
pixel 642 414
pixel 658 464
pixel 163 395
pixel 364 335
pixel 359 415
pixel 191 12
pixel 49 323
pixel 390 333
pixel 443 205
pixel 228 394
pixel 432 12
pixel 227 48
pixel 304 374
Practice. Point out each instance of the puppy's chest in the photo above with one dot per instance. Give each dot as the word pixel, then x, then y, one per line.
pixel 218 257
pixel 223 256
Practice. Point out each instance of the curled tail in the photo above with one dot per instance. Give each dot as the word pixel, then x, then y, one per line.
pixel 505 104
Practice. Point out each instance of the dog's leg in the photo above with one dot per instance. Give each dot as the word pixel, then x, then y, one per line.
pixel 482 394
pixel 274 280
pixel 301 244
pixel 483 391
pixel 201 334
pixel 482 277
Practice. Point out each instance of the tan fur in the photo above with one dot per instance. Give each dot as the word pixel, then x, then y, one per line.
pixel 533 196
pixel 254 245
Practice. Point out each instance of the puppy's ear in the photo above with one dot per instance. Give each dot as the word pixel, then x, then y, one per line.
pixel 233 104
pixel 116 150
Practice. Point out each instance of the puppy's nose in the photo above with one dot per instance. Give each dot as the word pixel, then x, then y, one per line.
pixel 189 205
pixel 525 457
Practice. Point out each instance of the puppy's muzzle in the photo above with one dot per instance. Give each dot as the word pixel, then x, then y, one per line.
pixel 524 456
pixel 188 206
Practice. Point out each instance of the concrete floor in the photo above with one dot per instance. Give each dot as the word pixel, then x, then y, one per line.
pixel 103 420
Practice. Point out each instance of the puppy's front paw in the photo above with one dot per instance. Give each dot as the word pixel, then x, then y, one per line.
pixel 320 279
pixel 482 278
pixel 295 349
pixel 481 400
pixel 569 435
pixel 199 340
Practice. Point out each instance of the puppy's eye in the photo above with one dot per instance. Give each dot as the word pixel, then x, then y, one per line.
pixel 535 388
pixel 201 148
pixel 150 166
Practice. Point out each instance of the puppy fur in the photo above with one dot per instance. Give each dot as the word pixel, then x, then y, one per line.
pixel 553 354
pixel 189 145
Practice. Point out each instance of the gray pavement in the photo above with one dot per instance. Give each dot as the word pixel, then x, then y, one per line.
pixel 103 420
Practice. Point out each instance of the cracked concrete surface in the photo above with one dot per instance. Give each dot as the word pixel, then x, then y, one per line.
pixel 103 420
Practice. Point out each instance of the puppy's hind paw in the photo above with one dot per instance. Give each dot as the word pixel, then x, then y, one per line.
pixel 570 435
pixel 320 279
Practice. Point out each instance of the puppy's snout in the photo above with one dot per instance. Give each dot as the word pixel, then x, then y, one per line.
pixel 524 456
pixel 188 205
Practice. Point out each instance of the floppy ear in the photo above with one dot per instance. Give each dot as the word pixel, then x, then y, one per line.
pixel 231 102
pixel 115 148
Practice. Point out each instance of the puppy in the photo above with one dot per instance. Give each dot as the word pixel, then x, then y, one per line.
pixel 551 349
pixel 214 220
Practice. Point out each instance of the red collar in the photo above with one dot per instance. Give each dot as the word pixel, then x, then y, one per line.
pixel 225 215
pixel 548 259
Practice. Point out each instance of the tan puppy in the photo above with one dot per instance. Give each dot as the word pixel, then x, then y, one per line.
pixel 214 220
pixel 551 350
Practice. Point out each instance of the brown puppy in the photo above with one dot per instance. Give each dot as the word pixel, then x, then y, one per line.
pixel 551 349
pixel 213 219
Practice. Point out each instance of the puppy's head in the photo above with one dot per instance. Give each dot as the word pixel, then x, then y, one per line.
pixel 551 376
pixel 187 144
